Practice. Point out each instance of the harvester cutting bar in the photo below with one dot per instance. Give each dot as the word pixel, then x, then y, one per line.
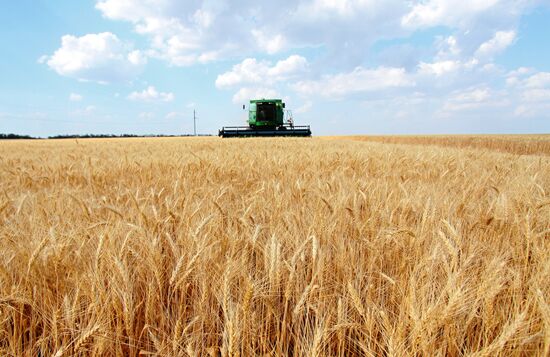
pixel 245 131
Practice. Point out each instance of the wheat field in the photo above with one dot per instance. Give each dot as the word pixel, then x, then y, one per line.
pixel 514 144
pixel 279 247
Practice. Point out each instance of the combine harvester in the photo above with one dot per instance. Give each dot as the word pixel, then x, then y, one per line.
pixel 266 117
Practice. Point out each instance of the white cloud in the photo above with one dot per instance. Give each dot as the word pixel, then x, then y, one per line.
pixel 514 78
pixel 529 87
pixel 189 32
pixel 521 71
pixel 150 95
pixel 497 44
pixel 182 33
pixel 476 95
pixel 439 68
pixel 248 71
pixel 533 92
pixel 357 81
pixel 340 7
pixel 245 94
pixel 445 12
pixel 73 97
pixel 539 80
pixel 102 58
pixel 529 91
pixel 270 44
pixel 137 58
pixel 448 47
pixel 290 66
pixel 251 70
pixel 457 72
pixel 474 98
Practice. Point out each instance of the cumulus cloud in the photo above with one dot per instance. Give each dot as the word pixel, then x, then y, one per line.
pixel 288 67
pixel 251 70
pixel 439 68
pixel 448 47
pixel 127 9
pixel 457 72
pixel 515 77
pixel 151 95
pixel 469 99
pixel 445 12
pixel 360 80
pixel 480 29
pixel 258 78
pixel 521 71
pixel 495 45
pixel 190 32
pixel 271 44
pixel 538 80
pixel 529 91
pixel 185 33
pixel 525 79
pixel 245 94
pixel 73 97
pixel 528 97
pixel 101 58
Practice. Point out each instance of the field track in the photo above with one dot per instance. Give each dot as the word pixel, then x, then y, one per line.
pixel 334 246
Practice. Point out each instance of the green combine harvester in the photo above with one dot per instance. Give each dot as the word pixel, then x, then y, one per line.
pixel 266 117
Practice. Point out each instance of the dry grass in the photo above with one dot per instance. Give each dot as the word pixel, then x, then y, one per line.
pixel 272 246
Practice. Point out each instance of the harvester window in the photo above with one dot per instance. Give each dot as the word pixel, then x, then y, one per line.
pixel 266 112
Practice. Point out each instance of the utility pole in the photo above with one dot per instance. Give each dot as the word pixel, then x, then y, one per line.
pixel 194 123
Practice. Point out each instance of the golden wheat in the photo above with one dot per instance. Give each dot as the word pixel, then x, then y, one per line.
pixel 349 246
pixel 514 144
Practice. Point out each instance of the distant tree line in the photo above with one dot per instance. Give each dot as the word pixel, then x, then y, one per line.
pixel 14 136
pixel 89 136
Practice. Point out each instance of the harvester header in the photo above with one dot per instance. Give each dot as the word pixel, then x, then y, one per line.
pixel 266 117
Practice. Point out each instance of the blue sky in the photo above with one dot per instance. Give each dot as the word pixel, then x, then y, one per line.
pixel 345 67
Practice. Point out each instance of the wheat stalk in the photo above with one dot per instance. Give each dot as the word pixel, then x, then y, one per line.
pixel 412 245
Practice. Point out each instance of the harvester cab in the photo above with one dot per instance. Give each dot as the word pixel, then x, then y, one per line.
pixel 266 117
